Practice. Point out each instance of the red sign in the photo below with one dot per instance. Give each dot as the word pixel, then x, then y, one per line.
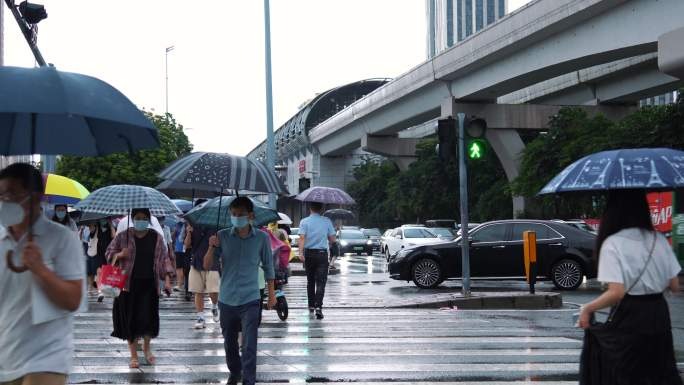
pixel 302 166
pixel 660 205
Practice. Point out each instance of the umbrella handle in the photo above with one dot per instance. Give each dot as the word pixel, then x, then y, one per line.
pixel 11 265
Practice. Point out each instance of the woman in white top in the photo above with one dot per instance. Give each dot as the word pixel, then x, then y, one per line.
pixel 635 345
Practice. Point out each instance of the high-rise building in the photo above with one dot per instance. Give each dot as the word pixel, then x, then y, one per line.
pixel 450 21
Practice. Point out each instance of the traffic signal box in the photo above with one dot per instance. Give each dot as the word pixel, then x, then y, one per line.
pixel 530 247
pixel 447 133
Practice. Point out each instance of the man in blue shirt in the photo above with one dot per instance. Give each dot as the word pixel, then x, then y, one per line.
pixel 242 250
pixel 316 233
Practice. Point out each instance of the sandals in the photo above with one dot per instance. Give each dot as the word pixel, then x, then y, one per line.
pixel 150 358
pixel 134 364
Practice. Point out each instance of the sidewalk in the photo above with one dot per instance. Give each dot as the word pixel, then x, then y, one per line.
pixel 379 291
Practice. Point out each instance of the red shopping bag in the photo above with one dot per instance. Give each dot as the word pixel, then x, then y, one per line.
pixel 112 281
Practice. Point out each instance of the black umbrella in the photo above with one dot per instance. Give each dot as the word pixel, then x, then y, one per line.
pixel 173 188
pixel 224 171
pixel 45 111
pixel 339 214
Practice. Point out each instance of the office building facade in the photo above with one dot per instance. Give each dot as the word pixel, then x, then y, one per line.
pixel 450 21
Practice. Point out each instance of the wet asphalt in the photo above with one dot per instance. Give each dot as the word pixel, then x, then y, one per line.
pixel 359 340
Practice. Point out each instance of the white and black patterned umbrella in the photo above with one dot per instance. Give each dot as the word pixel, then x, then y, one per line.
pixel 224 171
pixel 120 199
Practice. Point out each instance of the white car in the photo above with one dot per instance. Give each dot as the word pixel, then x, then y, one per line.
pixel 406 237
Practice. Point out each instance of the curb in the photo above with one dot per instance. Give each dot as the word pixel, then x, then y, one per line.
pixel 512 302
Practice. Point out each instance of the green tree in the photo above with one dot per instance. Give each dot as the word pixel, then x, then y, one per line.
pixel 573 134
pixel 139 168
pixel 429 189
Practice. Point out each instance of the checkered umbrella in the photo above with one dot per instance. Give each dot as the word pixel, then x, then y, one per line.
pixel 206 214
pixel 120 199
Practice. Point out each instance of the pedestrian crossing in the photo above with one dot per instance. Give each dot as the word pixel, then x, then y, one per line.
pixel 361 345
pixel 361 340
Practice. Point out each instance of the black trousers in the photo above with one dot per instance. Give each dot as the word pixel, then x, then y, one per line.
pixel 316 266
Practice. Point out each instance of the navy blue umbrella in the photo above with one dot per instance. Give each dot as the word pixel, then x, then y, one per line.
pixel 45 111
pixel 653 169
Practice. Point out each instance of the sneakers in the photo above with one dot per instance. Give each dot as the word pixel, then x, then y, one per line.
pixel 215 314
pixel 176 289
pixel 100 297
pixel 319 313
pixel 199 324
pixel 311 311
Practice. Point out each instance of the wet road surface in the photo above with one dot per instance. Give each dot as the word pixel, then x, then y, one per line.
pixel 354 343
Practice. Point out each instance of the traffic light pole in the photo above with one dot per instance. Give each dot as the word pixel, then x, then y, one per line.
pixel 463 176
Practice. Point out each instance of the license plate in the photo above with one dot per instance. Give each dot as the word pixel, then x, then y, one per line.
pixel 358 248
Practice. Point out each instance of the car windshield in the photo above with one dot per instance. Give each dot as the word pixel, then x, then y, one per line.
pixel 442 231
pixel 371 232
pixel 295 231
pixel 418 233
pixel 351 234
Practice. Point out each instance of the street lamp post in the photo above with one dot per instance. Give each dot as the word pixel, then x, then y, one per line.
pixel 166 55
pixel 270 145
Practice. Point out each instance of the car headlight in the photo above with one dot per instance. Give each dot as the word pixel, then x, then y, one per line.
pixel 344 243
pixel 369 243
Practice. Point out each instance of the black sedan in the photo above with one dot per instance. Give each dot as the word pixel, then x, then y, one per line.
pixel 353 241
pixel 564 255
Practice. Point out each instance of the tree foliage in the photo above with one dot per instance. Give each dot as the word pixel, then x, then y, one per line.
pixel 429 189
pixel 573 134
pixel 139 168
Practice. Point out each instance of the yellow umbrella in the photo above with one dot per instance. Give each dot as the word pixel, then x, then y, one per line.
pixel 60 190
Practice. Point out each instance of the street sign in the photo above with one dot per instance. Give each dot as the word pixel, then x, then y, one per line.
pixel 476 149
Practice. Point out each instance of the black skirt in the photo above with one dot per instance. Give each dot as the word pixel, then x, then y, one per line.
pixel 136 312
pixel 634 348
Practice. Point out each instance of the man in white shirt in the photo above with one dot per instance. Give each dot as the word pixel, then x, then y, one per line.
pixel 41 278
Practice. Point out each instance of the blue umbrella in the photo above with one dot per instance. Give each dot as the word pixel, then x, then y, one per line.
pixel 205 215
pixel 182 204
pixel 653 169
pixel 45 111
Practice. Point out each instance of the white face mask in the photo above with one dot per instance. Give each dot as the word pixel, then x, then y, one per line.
pixel 11 213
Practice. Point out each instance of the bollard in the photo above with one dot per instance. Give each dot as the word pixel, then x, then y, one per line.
pixel 530 246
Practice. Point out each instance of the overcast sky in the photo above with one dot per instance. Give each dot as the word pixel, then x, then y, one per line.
pixel 216 72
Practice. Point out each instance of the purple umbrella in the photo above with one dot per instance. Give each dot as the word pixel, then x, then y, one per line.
pixel 328 195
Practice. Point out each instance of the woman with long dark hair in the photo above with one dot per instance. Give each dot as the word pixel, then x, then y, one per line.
pixel 62 217
pixel 637 263
pixel 141 252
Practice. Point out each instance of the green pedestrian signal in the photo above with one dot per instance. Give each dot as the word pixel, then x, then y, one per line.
pixel 476 149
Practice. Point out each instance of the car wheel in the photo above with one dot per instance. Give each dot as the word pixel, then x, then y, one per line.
pixel 427 273
pixel 387 254
pixel 567 274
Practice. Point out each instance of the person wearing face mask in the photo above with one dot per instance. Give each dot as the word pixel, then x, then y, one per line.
pixel 42 275
pixel 242 249
pixel 61 216
pixel 140 252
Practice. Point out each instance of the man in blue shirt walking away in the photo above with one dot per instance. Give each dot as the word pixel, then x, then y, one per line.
pixel 316 234
pixel 242 249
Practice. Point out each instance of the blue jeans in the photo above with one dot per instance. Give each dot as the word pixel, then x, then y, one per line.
pixel 234 319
